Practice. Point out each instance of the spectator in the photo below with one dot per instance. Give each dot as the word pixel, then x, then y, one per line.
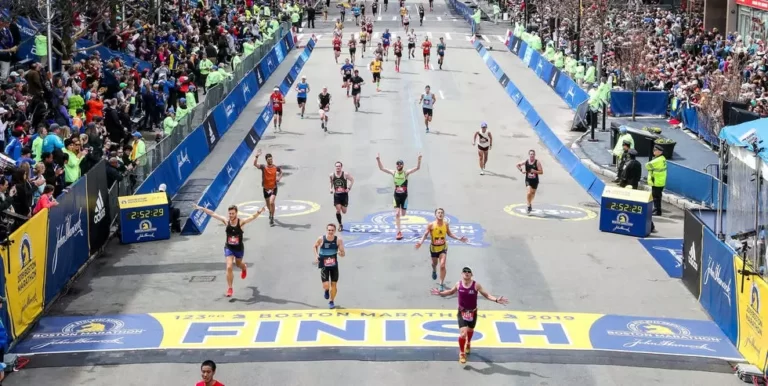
pixel 22 200
pixel 38 180
pixel 73 155
pixel 170 122
pixel 53 142
pixel 37 143
pixel 13 149
pixel 112 123
pixel 139 148
pixel 46 200
pixel 6 196
pixel 113 171
pixel 26 158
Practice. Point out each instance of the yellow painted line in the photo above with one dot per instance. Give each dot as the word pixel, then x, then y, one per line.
pixel 301 208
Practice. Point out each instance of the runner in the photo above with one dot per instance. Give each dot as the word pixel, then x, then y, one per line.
pixel 208 370
pixel 411 44
pixel 301 93
pixel 431 2
pixel 352 47
pixel 362 9
pixel 467 315
pixel 398 49
pixel 379 52
pixel 339 24
pixel 426 49
pixel 421 14
pixel 341 184
pixel 234 248
pixel 386 38
pixel 386 3
pixel 485 144
pixel 369 27
pixel 356 13
pixel 271 175
pixel 427 102
pixel 401 188
pixel 357 83
pixel 277 108
pixel 533 170
pixel 441 52
pixel 403 11
pixel 375 68
pixel 336 47
pixel 328 248
pixel 324 103
pixel 375 8
pixel 363 40
pixel 346 73
pixel 438 248
pixel 406 20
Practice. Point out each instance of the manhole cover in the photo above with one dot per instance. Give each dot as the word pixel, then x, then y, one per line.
pixel 202 279
pixel 590 204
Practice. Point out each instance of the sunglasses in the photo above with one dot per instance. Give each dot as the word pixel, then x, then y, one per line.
pixel 466 271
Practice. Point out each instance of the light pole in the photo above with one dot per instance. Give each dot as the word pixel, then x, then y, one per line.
pixel 48 22
pixel 578 32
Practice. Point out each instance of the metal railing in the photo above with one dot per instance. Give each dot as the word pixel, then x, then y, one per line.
pixel 150 161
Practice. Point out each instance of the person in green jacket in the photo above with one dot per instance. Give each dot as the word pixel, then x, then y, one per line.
pixel 248 47
pixel 169 123
pixel 657 177
pixel 41 49
pixel 559 60
pixel 536 42
pixel 236 61
pixel 214 77
pixel 72 161
pixel 578 74
pixel 37 144
pixel 205 68
pixel 589 77
pixel 182 110
pixel 75 102
pixel 618 150
pixel 570 65
pixel 191 98
pixel 476 19
pixel 549 52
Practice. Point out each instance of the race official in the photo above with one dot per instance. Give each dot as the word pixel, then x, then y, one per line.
pixel 657 177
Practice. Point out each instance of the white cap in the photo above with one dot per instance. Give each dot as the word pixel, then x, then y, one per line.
pixel 303 77
pixel 161 188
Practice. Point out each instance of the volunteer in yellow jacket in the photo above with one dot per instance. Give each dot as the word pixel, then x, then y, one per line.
pixel 438 247
pixel 657 177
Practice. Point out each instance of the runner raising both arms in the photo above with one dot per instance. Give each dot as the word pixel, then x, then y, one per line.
pixel 532 171
pixel 401 188
pixel 234 248
pixel 341 184
pixel 271 175
pixel 484 144
pixel 427 102
pixel 426 48
pixel 328 249
pixel 467 316
pixel 324 103
pixel 438 247
pixel 301 94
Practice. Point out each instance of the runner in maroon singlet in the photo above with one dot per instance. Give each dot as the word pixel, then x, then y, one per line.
pixel 468 290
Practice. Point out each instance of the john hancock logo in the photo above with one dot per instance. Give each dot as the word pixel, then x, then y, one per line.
pixel 146 230
pixel 380 228
pixel 659 333
pixel 622 223
pixel 94 331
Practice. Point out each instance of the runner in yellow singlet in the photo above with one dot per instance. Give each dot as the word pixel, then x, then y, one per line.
pixel 363 41
pixel 375 67
pixel 438 248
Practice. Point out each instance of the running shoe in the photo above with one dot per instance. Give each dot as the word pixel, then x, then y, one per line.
pixel 341 227
pixel 230 291
pixel 482 172
pixel 399 235
pixel 529 210
pixel 462 358
pixel 244 272
pixel 434 275
pixel 467 349
pixel 327 294
pixel 271 221
pixel 442 287
pixel 331 305
pixel 427 129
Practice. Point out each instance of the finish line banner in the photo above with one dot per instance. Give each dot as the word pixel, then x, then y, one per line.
pixel 376 328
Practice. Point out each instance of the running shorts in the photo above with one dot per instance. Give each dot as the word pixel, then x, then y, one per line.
pixel 341 199
pixel 329 272
pixel 426 53
pixel 401 200
pixel 269 193
pixel 355 91
pixel 406 24
pixel 363 41
pixel 399 54
pixel 376 76
pixel 278 112
pixel 441 53
pixel 411 45
pixel 426 111
pixel 436 254
pixel 347 78
pixel 337 49
pixel 467 323
pixel 352 51
pixel 301 100
pixel 533 183
pixel 482 148
pixel 236 254
pixel 385 45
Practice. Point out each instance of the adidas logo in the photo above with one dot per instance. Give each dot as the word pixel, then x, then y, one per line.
pixel 211 135
pixel 100 211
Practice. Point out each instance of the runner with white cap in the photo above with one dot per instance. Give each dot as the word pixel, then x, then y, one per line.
pixel 483 145
pixel 277 108
pixel 301 93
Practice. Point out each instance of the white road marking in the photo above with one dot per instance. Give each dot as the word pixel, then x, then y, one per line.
pixel 439 18
pixel 486 38
pixel 394 18
pixel 441 94
pixel 379 19
pixel 299 36
pixel 431 67
pixel 429 35
pixel 469 38
pixel 447 36
pixel 501 39
pixel 318 37
pixel 375 35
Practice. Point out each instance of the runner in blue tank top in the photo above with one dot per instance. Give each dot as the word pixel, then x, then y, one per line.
pixel 468 290
pixel 301 93
pixel 328 249
pixel 386 40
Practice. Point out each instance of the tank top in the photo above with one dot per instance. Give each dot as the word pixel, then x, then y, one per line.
pixel 385 38
pixel 427 101
pixel 363 36
pixel 401 182
pixel 467 299
pixel 303 87
pixel 324 99
pixel 528 167
pixel 440 48
pixel 376 67
pixel 328 252
pixel 339 183
pixel 352 43
pixel 483 140
pixel 234 237
pixel 411 38
pixel 438 237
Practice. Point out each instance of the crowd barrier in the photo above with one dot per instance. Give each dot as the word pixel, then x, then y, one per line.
pixel 693 122
pixel 570 162
pixel 463 9
pixel 647 103
pixel 697 186
pixel 218 188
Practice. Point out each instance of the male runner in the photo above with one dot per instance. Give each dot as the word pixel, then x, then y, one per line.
pixel 426 49
pixel 324 103
pixel 234 248
pixel 467 316
pixel 427 102
pixel 403 12
pixel 406 20
pixel 277 108
pixel 363 40
pixel 356 13
pixel 357 83
pixel 412 44
pixel 352 47
pixel 301 93
pixel 375 67
pixel 421 14
pixel 341 184
pixel 401 188
pixel 336 47
pixel 346 73
pixel 208 370
pixel 484 144
pixel 441 52
pixel 386 3
pixel 438 248
pixel 386 39
pixel 328 248
pixel 398 49
pixel 533 170
pixel 375 7
pixel 431 2
pixel 378 52
pixel 271 175
pixel 369 27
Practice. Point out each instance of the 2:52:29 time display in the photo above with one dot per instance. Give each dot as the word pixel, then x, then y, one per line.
pixel 146 213
pixel 622 207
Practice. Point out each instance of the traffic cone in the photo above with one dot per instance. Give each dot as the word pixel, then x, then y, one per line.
pixel 509 36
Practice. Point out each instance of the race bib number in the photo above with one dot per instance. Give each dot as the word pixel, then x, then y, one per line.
pixel 233 240
pixel 399 189
pixel 532 175
pixel 269 191
pixel 341 190
pixel 427 102
pixel 357 85
pixel 468 316
pixel 438 242
pixel 329 261
pixel 275 100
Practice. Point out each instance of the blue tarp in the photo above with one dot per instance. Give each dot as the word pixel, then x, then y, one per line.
pixel 732 134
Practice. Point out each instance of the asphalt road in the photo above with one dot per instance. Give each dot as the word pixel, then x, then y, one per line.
pixel 541 263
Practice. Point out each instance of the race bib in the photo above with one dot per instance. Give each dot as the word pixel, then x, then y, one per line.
pixel 427 102
pixel 341 190
pixel 438 242
pixel 531 175
pixel 275 100
pixel 400 189
pixel 329 261
pixel 269 191
pixel 233 240
pixel 468 316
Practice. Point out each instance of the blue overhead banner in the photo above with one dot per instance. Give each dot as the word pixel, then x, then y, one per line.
pixel 718 295
pixel 67 239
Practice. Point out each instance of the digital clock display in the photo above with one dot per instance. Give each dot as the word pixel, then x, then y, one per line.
pixel 623 207
pixel 146 213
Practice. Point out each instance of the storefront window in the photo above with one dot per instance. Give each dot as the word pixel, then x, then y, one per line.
pixel 752 23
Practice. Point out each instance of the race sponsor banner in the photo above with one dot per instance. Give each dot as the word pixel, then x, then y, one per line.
pixel 693 233
pixel 98 206
pixel 667 252
pixel 68 239
pixel 211 132
pixel 718 295
pixel 554 77
pixel 25 278
pixel 179 165
pixel 753 335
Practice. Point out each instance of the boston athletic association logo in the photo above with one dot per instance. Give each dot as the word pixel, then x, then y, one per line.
pixel 380 228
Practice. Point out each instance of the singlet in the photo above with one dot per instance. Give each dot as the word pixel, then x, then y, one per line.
pixel 379 51
pixel 401 182
pixel 402 11
pixel 438 237
pixel 363 36
pixel 325 100
pixel 276 99
pixel 440 48
pixel 426 46
pixel 421 10
pixel 347 68
pixel 467 298
pixel 398 46
pixel 406 19
pixel 411 38
pixel 385 38
pixel 339 183
pixel 352 44
pixel 303 88
pixel 427 101
pixel 483 140
pixel 329 249
pixel 369 27
pixel 269 176
pixel 336 44
pixel 528 167
pixel 234 237
pixel 376 67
